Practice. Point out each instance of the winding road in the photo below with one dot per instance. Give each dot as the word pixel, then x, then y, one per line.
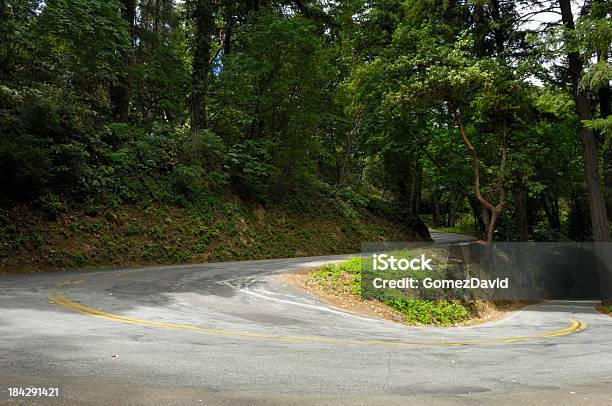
pixel 235 333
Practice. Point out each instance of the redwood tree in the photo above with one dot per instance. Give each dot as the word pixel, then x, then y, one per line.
pixel 590 157
pixel 204 27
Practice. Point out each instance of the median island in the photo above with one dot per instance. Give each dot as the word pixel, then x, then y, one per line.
pixel 339 284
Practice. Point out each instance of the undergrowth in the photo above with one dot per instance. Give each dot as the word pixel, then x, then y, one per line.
pixel 346 277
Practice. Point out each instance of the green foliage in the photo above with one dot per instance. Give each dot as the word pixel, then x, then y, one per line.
pixel 81 40
pixel 346 276
pixel 356 100
pixel 273 95
pixel 353 197
pixel 431 312
pixel 250 167
pixel 352 266
pixel 160 77
pixel 50 205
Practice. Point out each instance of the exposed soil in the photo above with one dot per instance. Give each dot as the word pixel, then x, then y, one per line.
pixel 342 299
pixel 604 309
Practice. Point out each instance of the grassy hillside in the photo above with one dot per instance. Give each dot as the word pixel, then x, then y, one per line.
pixel 221 229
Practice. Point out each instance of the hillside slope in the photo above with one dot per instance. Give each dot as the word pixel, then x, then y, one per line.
pixel 224 229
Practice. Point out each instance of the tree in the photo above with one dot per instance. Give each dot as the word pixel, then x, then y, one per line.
pixel 430 105
pixel 120 88
pixel 202 13
pixel 422 74
pixel 599 221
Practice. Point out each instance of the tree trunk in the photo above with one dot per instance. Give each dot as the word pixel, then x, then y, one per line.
pixel 520 206
pixel 486 218
pixel 605 108
pixel 203 11
pixel 578 216
pixel 551 208
pixel 119 93
pixel 607 155
pixel 491 229
pixel 418 188
pixel 404 187
pixel 495 210
pixel 498 29
pixel 227 39
pixel 480 29
pixel 435 202
pixel 599 220
pixel 230 12
pixel 451 219
pixel 479 221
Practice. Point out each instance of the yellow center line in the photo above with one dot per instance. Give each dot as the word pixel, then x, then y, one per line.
pixel 64 300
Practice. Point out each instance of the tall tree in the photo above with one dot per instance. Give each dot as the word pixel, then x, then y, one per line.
pixel 204 30
pixel 602 12
pixel 120 88
pixel 599 220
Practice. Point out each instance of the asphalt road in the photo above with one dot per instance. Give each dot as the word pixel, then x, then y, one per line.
pixel 234 333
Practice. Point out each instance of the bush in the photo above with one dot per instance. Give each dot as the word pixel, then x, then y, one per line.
pixel 26 166
pixel 50 205
pixel 430 312
pixel 353 197
pixel 250 166
pixel 186 183
pixel 205 149
pixel 352 266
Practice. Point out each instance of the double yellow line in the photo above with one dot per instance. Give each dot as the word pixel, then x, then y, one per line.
pixel 62 299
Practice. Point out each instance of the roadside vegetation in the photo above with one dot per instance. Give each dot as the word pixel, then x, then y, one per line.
pixel 137 131
pixel 223 229
pixel 336 281
pixel 605 309
pixel 463 225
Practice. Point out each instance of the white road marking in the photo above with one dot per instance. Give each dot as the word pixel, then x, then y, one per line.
pixel 311 306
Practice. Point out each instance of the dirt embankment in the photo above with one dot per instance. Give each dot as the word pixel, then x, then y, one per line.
pixel 155 234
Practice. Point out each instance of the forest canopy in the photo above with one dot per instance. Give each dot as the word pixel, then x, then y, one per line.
pixel 488 116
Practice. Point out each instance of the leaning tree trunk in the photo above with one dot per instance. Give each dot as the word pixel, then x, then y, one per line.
pixel 597 204
pixel 495 210
pixel 203 12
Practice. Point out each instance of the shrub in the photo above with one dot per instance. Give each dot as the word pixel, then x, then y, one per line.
pixel 429 311
pixel 186 182
pixel 250 166
pixel 50 205
pixel 26 166
pixel 351 196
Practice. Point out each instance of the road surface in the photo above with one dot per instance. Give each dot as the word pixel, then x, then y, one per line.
pixel 234 333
